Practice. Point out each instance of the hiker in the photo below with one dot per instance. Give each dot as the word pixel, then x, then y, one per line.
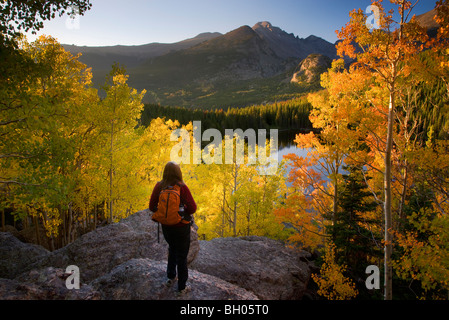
pixel 170 199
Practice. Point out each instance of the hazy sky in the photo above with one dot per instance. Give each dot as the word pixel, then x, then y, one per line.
pixel 135 22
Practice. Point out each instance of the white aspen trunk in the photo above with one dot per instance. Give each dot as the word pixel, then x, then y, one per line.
pixel 388 295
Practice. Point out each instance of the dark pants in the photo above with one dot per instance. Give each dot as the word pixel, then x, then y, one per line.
pixel 178 239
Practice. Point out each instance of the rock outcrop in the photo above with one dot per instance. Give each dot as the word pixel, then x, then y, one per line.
pixel 264 266
pixel 16 256
pixel 126 261
pixel 311 68
pixel 44 284
pixel 99 251
pixel 144 279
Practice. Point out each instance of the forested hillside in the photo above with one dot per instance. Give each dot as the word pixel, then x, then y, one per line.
pixel 290 114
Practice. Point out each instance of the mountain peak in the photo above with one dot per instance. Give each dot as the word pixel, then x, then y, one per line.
pixel 313 38
pixel 244 32
pixel 263 24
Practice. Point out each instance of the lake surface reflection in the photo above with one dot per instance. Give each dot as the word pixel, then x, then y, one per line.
pixel 288 146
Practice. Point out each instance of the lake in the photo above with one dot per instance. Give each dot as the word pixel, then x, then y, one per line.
pixel 287 145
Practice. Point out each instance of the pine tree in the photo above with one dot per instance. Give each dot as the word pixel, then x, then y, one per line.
pixel 354 230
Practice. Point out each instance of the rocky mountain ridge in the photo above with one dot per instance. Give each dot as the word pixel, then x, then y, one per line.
pixel 102 58
pixel 124 261
pixel 284 45
pixel 287 45
pixel 212 69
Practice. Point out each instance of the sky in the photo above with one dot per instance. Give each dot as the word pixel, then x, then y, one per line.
pixel 136 22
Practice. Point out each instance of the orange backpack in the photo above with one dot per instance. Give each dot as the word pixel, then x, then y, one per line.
pixel 168 207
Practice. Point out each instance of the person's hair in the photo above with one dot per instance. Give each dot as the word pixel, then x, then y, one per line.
pixel 172 175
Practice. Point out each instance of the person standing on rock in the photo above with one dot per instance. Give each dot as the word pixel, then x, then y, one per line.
pixel 173 206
